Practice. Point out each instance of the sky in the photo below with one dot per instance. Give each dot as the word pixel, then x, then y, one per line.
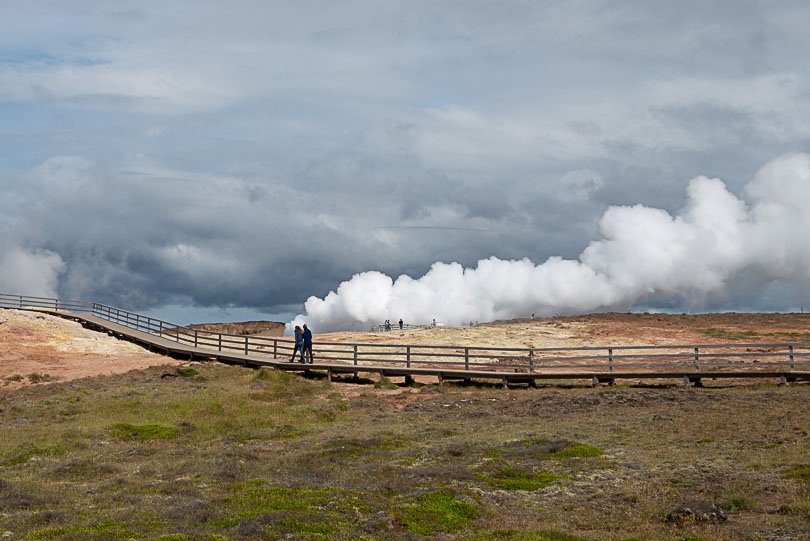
pixel 205 161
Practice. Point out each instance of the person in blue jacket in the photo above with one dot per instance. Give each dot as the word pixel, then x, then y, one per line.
pixel 299 344
pixel 307 344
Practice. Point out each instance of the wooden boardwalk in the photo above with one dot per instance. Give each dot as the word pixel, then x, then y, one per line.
pixel 256 352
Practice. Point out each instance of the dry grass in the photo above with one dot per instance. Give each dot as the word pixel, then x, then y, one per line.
pixel 232 453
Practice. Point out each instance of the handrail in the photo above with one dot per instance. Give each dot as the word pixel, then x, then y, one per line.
pixel 790 355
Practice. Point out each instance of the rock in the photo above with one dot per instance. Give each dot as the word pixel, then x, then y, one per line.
pixel 697 512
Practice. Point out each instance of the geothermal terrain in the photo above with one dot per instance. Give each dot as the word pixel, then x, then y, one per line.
pixel 104 440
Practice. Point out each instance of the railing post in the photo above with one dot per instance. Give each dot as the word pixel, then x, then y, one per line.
pixel 610 359
pixel 21 302
pixel 246 345
pixel 220 341
pixel 160 328
pixel 697 360
pixel 466 358
pixel 137 321
pixel 408 356
pixel 56 304
pixel 275 349
pixel 195 338
pixel 792 362
pixel 355 354
pixel 531 361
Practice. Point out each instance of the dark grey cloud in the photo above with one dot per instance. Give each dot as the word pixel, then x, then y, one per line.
pixel 269 151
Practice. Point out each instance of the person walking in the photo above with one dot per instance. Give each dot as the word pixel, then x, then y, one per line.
pixel 401 323
pixel 299 344
pixel 307 345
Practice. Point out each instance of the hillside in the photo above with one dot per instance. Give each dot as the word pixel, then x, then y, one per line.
pixel 38 348
pixel 254 328
pixel 214 452
pixel 602 329
pixel 62 350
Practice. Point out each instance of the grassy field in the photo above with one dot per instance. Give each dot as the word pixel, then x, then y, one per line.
pixel 218 452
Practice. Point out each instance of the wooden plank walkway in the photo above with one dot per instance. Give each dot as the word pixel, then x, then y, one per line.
pixel 176 348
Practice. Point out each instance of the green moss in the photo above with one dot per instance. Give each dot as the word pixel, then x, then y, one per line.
pixel 517 535
pixel 187 537
pixel 284 432
pixel 187 372
pixel 24 452
pixel 731 335
pixel 739 502
pixel 309 511
pixel 263 374
pixel 792 336
pixel 577 450
pixel 354 449
pixel 279 385
pixel 225 523
pixel 800 472
pixel 36 377
pixel 255 497
pixel 145 432
pixel 385 383
pixel 101 530
pixel 512 479
pixel 437 512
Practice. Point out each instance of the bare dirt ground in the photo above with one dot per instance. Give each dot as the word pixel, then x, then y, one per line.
pixel 610 329
pixel 39 348
pixel 55 349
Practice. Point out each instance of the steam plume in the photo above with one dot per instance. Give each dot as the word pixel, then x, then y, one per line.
pixel 643 253
pixel 29 272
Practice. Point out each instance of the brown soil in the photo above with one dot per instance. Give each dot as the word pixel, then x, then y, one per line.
pixel 56 349
pixel 253 328
pixel 610 329
pixel 59 349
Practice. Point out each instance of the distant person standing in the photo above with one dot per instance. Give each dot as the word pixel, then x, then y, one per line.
pixel 307 345
pixel 299 344
pixel 401 323
pixel 434 322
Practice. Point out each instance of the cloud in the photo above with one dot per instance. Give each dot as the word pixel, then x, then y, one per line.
pixel 114 86
pixel 258 154
pixel 29 272
pixel 643 253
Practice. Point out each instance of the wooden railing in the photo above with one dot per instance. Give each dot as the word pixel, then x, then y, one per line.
pixel 694 359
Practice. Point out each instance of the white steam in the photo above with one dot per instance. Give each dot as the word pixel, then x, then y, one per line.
pixel 643 252
pixel 29 272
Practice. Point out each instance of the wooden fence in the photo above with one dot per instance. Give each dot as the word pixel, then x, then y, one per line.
pixel 600 362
